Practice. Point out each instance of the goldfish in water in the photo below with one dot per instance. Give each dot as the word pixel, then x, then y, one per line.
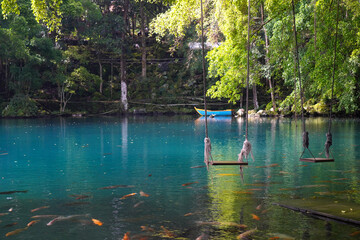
pixel 39 208
pixel 128 195
pixel 187 184
pixel 16 231
pixel 255 217
pixel 32 222
pixel 126 236
pixel 144 194
pixel 97 222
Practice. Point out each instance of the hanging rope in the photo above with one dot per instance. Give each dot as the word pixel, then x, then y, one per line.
pixel 207 148
pixel 246 149
pixel 328 141
pixel 305 134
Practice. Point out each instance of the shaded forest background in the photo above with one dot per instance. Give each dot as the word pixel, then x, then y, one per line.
pixel 106 57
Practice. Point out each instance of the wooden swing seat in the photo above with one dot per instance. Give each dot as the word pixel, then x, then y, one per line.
pixel 228 163
pixel 317 160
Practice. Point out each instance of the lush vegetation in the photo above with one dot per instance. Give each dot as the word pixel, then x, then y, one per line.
pixel 59 57
pixel 272 49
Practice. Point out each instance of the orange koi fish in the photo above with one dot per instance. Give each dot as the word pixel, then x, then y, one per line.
pixel 97 222
pixel 39 208
pixel 16 231
pixel 32 223
pixel 255 217
pixel 187 184
pixel 144 194
pixel 126 236
pixel 128 195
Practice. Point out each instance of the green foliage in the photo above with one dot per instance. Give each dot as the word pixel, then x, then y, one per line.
pixel 82 82
pixel 21 106
pixel 35 57
pixel 176 19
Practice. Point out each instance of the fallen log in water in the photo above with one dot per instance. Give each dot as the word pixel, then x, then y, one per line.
pixel 320 215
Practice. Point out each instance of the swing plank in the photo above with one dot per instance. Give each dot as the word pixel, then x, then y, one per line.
pixel 228 163
pixel 316 160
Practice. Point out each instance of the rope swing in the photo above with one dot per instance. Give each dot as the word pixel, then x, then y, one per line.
pixel 305 134
pixel 328 141
pixel 207 142
pixel 246 149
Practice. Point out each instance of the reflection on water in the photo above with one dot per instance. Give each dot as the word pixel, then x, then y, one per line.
pixel 157 163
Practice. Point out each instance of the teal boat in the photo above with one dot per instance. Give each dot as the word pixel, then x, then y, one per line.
pixel 227 112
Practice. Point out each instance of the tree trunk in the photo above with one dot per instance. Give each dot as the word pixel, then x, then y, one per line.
pixel 143 42
pixel 111 79
pixel 6 77
pixel 267 60
pixel 124 100
pixel 241 100
pixel 256 103
pixel 315 26
pixel 101 76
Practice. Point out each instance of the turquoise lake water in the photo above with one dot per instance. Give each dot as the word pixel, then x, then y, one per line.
pixel 68 165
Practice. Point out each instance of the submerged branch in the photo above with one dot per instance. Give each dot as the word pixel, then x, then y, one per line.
pixel 320 215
